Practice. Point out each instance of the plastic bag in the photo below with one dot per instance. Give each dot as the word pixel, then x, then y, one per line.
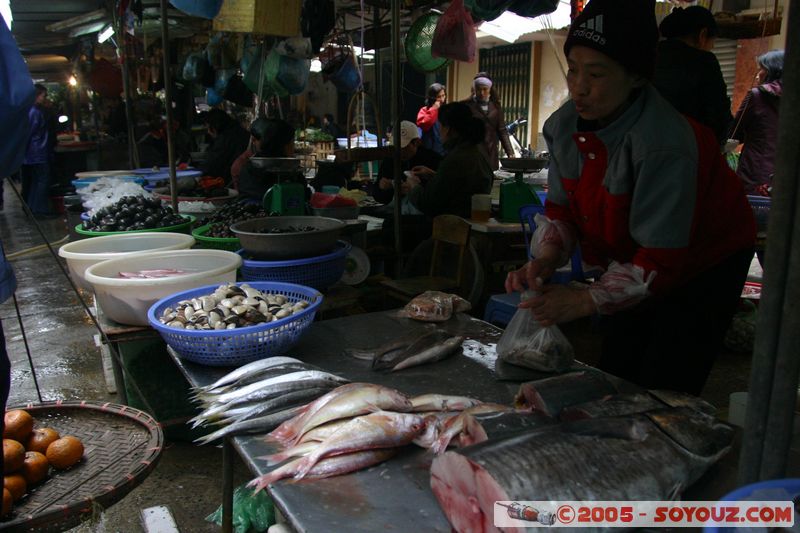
pixel 251 511
pixel 530 9
pixel 296 47
pixel 487 9
pixel 454 36
pixel 526 343
pixel 293 74
pixel 195 66
pixel 435 306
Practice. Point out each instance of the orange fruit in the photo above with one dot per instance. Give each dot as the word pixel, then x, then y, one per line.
pixel 16 485
pixel 40 439
pixel 35 468
pixel 7 501
pixel 18 425
pixel 65 452
pixel 13 455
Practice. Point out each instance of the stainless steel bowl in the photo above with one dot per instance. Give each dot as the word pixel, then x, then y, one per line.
pixel 281 246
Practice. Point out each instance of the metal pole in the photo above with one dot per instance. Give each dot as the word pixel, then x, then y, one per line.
pixel 376 20
pixel 122 54
pixel 395 107
pixel 227 485
pixel 173 180
pixel 774 375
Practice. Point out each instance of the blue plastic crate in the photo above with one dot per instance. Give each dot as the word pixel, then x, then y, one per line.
pixel 234 347
pixel 761 206
pixel 319 272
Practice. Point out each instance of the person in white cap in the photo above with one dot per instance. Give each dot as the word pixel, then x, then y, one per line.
pixel 485 105
pixel 412 154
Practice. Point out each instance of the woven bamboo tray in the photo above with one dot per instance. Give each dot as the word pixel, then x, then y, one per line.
pixel 121 446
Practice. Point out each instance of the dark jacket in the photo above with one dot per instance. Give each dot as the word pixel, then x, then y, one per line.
pixel 691 80
pixel 756 125
pixel 38 149
pixel 227 146
pixel 464 171
pixel 495 130
pixel 423 157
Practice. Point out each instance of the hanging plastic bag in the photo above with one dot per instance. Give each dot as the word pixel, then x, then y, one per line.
pixel 339 67
pixel 454 36
pixel 530 9
pixel 293 74
pixel 195 66
pixel 487 9
pixel 207 9
pixel 213 97
pixel 252 511
pixel 295 47
pixel 526 343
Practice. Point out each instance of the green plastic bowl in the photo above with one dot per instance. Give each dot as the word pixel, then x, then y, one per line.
pixel 230 244
pixel 179 228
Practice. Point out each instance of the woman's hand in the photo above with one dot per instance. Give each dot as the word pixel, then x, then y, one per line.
pixel 532 275
pixel 411 182
pixel 558 303
pixel 423 172
pixel 385 184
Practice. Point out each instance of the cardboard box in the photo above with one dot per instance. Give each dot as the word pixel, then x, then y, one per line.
pixel 267 17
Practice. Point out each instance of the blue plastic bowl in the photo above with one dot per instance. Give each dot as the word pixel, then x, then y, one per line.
pixel 790 485
pixel 85 182
pixel 319 272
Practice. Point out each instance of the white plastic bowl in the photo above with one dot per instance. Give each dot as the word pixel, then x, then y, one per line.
pixel 126 300
pixel 84 253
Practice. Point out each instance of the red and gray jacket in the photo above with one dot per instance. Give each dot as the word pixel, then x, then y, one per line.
pixel 649 197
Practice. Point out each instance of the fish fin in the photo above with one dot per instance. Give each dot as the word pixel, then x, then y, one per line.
pixel 363 355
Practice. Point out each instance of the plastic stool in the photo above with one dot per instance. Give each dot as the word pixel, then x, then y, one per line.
pixel 500 308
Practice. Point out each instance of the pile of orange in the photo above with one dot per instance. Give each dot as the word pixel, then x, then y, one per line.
pixel 29 453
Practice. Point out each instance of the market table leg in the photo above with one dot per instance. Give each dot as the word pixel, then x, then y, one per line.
pixel 227 486
pixel 119 377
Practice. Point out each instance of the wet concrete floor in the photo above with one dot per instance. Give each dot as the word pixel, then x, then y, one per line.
pixel 68 366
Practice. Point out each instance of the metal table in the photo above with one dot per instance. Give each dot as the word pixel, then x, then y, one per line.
pixel 370 500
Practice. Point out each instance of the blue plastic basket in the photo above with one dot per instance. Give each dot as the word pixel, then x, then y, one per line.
pixel 775 489
pixel 233 347
pixel 760 206
pixel 319 272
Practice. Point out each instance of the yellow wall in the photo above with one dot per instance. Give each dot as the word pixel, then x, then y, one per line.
pixel 459 80
pixel 553 90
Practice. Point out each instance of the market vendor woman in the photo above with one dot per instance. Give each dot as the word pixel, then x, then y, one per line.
pixel 646 193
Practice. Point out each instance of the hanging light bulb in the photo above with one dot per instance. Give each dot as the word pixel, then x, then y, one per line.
pixel 73 81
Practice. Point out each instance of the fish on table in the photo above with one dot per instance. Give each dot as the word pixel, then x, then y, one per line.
pixel 262 424
pixel 347 401
pixel 441 402
pixel 651 456
pixel 551 395
pixel 249 369
pixel 411 350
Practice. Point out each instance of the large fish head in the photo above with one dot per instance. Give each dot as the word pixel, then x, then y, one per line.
pixel 699 434
pixel 407 423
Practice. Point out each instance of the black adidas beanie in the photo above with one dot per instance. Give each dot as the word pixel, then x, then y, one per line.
pixel 624 30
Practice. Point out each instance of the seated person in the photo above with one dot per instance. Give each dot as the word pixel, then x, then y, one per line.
pixel 412 154
pixel 464 171
pixel 276 139
pixel 229 141
pixel 416 227
pixel 257 132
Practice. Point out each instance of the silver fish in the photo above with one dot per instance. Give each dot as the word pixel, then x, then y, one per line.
pixel 394 345
pixel 258 376
pixel 619 458
pixel 328 467
pixel 453 426
pixel 298 450
pixel 262 388
pixel 435 353
pixel 299 397
pixel 376 430
pixel 255 425
pixel 616 405
pixel 441 402
pixel 255 366
pixel 422 343
pixel 551 395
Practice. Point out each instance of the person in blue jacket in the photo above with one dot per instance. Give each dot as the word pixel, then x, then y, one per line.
pixel 16 98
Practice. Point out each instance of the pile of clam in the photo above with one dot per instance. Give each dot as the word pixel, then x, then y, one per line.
pixel 230 307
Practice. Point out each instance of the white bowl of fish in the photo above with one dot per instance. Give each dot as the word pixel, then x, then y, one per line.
pixel 233 324
pixel 125 288
pixel 84 253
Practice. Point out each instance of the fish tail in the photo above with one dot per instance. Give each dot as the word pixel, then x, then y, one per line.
pixel 305 466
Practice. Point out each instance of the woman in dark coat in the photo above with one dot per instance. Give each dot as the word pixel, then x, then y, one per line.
pixel 485 106
pixel 756 125
pixel 687 74
pixel 273 138
pixel 464 171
